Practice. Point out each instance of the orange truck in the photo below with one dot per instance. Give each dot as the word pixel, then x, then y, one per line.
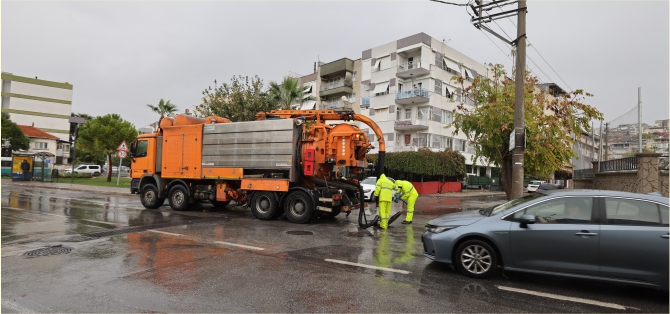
pixel 286 162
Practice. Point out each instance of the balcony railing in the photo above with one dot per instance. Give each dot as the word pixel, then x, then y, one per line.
pixel 332 85
pixel 409 65
pixel 365 101
pixel 417 92
pixel 335 105
pixel 411 124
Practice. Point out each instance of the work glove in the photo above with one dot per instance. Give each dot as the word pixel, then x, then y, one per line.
pixel 377 201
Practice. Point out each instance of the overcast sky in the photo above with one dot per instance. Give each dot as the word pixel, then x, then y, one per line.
pixel 123 55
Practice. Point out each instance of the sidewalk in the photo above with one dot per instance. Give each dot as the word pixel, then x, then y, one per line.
pixel 70 187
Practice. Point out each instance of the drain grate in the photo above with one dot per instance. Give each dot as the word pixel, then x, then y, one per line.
pixel 300 232
pixel 114 232
pixel 52 250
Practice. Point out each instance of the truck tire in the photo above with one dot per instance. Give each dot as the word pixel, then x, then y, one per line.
pixel 149 197
pixel 264 205
pixel 299 207
pixel 178 198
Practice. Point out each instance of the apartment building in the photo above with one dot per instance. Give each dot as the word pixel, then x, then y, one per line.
pixel 334 85
pixel 407 87
pixel 45 104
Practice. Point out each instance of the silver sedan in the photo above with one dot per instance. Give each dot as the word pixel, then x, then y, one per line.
pixel 589 234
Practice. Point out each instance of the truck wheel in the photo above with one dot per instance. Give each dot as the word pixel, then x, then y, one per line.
pixel 178 198
pixel 264 205
pixel 149 197
pixel 299 207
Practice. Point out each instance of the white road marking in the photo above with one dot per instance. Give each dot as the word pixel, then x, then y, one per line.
pixel 367 266
pixel 100 222
pixel 240 245
pixel 163 232
pixel 564 298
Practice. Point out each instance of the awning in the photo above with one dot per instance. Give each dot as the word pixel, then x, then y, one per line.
pixel 308 105
pixel 451 64
pixel 468 73
pixel 377 63
pixel 381 88
pixel 450 89
pixel 309 89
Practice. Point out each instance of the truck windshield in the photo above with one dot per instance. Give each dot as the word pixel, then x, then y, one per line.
pixel 141 149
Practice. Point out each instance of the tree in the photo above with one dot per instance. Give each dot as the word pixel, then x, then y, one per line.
pixel 550 122
pixel 103 134
pixel 12 133
pixel 164 108
pixel 288 93
pixel 238 101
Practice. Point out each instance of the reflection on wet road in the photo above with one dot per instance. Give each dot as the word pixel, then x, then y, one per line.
pixel 124 258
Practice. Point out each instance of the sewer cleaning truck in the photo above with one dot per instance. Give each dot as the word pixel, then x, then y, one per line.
pixel 285 162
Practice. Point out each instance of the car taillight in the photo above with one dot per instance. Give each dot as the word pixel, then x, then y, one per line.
pixel 337 197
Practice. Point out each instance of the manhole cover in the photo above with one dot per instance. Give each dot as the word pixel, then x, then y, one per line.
pixel 359 234
pixel 52 250
pixel 298 232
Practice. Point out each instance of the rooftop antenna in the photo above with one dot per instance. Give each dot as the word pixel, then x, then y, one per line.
pixel 445 41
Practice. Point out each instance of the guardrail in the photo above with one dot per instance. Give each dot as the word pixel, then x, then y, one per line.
pixel 409 65
pixel 331 85
pixel 582 174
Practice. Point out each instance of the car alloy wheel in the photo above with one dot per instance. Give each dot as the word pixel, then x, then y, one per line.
pixel 477 259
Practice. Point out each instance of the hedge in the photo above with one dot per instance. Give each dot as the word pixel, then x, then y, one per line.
pixel 446 165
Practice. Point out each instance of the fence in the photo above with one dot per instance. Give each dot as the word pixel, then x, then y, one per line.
pixel 629 163
pixel 583 174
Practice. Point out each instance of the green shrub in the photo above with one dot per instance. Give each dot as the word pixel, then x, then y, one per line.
pixel 446 165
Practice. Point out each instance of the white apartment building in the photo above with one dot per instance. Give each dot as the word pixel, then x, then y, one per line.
pixel 406 87
pixel 330 83
pixel 46 105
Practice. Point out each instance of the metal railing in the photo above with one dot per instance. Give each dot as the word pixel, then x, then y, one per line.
pixel 339 104
pixel 331 85
pixel 408 123
pixel 409 65
pixel 417 92
pixel 629 163
pixel 365 101
pixel 582 173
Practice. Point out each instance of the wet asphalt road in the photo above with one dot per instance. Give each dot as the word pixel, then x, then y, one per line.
pixel 127 259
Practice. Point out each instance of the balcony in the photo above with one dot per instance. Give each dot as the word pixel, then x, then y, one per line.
pixel 365 101
pixel 413 96
pixel 411 69
pixel 410 125
pixel 336 87
pixel 336 105
pixel 337 66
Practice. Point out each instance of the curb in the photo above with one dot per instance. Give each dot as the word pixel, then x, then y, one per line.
pixel 72 188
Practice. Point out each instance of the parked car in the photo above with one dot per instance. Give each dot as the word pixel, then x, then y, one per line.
pixel 533 185
pixel 589 234
pixel 94 170
pixel 368 184
pixel 549 186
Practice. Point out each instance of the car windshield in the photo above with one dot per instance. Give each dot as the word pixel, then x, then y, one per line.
pixel 369 180
pixel 505 206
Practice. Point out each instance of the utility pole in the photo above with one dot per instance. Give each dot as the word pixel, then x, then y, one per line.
pixel 607 142
pixel 639 118
pixel 519 123
pixel 519 134
pixel 600 141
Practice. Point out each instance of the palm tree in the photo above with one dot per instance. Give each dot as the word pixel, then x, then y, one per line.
pixel 288 92
pixel 164 108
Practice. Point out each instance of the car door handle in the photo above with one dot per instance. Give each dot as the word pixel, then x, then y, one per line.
pixel 664 236
pixel 586 233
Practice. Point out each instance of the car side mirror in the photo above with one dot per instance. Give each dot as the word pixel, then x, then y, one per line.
pixel 527 219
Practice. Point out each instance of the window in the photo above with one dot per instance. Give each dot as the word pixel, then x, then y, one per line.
pixel 408 114
pixel 6 163
pixel 381 89
pixel 423 139
pixel 353 78
pixel 467 74
pixel 634 212
pixel 438 87
pixel 449 91
pixel 398 113
pixel 41 145
pixel 141 150
pixel 446 117
pixel 566 210
pixel 446 142
pixel 423 113
pixel 382 114
pixel 60 146
pixel 451 66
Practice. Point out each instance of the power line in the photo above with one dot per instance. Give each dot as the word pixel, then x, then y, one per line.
pixel 451 3
pixel 508 57
pixel 532 46
pixel 529 58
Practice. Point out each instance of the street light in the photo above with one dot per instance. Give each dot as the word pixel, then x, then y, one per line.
pixel 77 121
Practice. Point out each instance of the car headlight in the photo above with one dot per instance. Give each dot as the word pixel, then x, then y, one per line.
pixel 367 191
pixel 436 229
